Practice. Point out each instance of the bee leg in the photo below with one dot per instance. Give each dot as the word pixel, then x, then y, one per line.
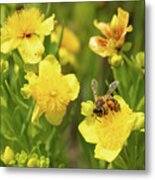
pixel 98 120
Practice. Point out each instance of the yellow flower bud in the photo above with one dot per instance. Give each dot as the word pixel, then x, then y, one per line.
pixel 140 59
pixel 139 121
pixel 44 162
pixel 8 155
pixel 33 162
pixel 16 68
pixel 116 60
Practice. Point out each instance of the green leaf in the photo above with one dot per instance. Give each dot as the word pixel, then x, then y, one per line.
pixel 6 127
pixel 133 153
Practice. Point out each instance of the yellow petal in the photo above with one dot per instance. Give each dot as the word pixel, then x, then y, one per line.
pixel 114 22
pixel 123 17
pixel 46 26
pixel 31 49
pixel 55 118
pixel 101 46
pixel 129 28
pixel 67 57
pixel 70 41
pixel 49 66
pixel 88 131
pixel 26 89
pixel 73 85
pixel 87 108
pixel 9 44
pixel 36 114
pixel 105 154
pixel 104 28
pixel 31 77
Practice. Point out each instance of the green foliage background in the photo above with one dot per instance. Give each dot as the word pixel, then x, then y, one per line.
pixel 64 145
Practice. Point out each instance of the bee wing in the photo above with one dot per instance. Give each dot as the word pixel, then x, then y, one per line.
pixel 94 86
pixel 112 87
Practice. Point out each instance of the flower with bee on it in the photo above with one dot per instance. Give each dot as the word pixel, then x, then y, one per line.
pixel 51 90
pixel 108 128
pixel 25 30
pixel 114 34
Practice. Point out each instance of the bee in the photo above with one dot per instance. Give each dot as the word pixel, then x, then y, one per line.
pixel 106 103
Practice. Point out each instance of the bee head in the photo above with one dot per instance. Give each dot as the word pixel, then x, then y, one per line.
pixel 98 111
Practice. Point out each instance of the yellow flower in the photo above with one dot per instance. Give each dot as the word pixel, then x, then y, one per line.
pixel 109 132
pixel 51 90
pixel 69 46
pixel 114 33
pixel 25 29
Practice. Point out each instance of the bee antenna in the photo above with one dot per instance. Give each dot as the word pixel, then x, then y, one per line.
pixel 94 86
pixel 112 87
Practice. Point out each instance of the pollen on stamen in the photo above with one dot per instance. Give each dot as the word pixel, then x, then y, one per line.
pixel 53 93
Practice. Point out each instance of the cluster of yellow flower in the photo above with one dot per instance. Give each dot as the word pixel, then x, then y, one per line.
pixel 22 159
pixel 53 91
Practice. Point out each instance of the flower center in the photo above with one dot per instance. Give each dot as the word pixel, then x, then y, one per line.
pixel 51 97
pixel 28 35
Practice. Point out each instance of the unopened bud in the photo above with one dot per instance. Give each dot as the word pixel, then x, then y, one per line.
pixel 33 162
pixel 44 162
pixel 116 60
pixel 8 155
pixel 139 121
pixel 140 59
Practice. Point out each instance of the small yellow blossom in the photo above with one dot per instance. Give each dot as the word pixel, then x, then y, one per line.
pixel 33 162
pixel 51 90
pixel 109 132
pixel 8 157
pixel 70 45
pixel 114 34
pixel 25 29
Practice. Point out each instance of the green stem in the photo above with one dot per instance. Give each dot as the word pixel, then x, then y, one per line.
pixel 127 60
pixel 59 43
pixel 15 99
pixel 136 91
pixel 28 118
pixel 50 139
pixel 48 9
